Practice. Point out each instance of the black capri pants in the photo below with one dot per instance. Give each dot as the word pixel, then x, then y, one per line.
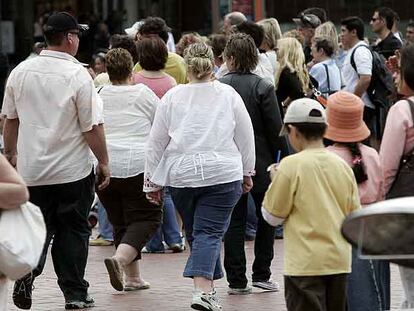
pixel 132 216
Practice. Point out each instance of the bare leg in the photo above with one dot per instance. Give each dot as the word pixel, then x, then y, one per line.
pixel 125 254
pixel 203 284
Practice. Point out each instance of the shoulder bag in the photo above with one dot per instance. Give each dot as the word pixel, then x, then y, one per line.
pixel 22 238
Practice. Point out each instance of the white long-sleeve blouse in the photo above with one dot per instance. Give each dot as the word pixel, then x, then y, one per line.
pixel 202 135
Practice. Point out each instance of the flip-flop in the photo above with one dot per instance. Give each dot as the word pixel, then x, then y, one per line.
pixel 144 285
pixel 115 274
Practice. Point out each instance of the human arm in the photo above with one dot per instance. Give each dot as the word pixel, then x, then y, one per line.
pixel 394 141
pixel 11 122
pixel 363 66
pixel 95 139
pixel 272 122
pixel 10 133
pixel 278 201
pixel 13 190
pixel 90 116
pixel 362 85
pixel 244 136
pixel 157 143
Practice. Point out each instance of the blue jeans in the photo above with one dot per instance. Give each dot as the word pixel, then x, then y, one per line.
pixel 105 228
pixel 168 230
pixel 206 215
pixel 368 284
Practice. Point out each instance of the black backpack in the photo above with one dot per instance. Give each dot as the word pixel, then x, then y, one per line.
pixel 382 84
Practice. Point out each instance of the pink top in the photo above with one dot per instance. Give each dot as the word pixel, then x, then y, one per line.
pixel 159 85
pixel 372 190
pixel 398 140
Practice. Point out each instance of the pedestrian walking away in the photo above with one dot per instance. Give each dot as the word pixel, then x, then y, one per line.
pixel 204 161
pixel 129 111
pixel 53 120
pixel 259 97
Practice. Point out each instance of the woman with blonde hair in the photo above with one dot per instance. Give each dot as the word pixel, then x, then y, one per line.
pixel 201 145
pixel 292 78
pixel 272 33
pixel 328 30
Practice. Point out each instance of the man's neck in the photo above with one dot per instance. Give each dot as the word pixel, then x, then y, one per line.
pixel 354 42
pixel 384 33
pixel 58 49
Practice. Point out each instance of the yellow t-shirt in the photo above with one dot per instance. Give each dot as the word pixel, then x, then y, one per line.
pixel 174 66
pixel 313 190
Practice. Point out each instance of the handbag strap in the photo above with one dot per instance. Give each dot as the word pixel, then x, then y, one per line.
pixel 327 78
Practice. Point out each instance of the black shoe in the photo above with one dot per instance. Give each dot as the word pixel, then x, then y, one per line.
pixel 80 304
pixel 22 292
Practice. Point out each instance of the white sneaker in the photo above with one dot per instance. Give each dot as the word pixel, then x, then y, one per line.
pixel 206 302
pixel 269 285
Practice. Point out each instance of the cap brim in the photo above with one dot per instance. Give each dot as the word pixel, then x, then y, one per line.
pixel 83 27
pixel 284 130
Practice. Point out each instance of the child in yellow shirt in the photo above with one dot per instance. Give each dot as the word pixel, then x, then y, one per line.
pixel 312 192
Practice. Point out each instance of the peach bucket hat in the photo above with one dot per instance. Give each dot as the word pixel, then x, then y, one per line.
pixel 344 114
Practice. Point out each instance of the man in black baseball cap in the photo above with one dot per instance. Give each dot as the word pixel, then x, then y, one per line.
pixel 63 22
pixel 64 127
pixel 62 32
pixel 306 24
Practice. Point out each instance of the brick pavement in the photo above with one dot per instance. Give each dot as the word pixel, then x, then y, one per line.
pixel 169 290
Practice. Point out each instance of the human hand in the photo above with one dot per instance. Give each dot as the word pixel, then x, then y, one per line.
pixel 155 197
pixel 103 176
pixel 247 184
pixel 272 169
pixel 393 62
pixel 11 158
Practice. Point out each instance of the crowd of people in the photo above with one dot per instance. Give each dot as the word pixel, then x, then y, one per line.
pixel 286 127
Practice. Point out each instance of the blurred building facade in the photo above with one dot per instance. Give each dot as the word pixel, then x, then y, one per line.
pixel 21 19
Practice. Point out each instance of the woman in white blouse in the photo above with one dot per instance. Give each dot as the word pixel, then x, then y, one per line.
pixel 202 146
pixel 128 112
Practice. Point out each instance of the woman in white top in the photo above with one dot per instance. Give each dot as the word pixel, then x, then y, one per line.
pixel 129 112
pixel 202 146
pixel 325 70
pixel 13 193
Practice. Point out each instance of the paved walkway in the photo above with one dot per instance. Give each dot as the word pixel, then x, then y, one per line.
pixel 169 290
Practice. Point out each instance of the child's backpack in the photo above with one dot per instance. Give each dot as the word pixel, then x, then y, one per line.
pixel 382 84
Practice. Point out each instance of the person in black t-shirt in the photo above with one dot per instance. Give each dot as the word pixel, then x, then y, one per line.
pixel 381 23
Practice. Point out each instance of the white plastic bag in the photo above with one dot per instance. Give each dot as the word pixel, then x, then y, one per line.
pixel 22 237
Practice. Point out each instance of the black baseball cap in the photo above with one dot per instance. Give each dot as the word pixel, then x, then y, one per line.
pixel 63 21
pixel 307 20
